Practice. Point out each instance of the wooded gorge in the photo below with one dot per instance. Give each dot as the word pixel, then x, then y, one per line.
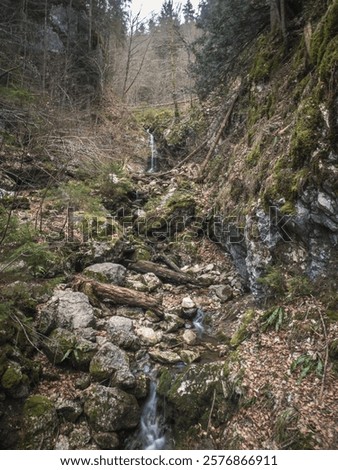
pixel 168 225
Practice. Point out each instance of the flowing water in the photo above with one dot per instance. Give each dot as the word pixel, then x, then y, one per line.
pixel 152 429
pixel 153 155
pixel 198 322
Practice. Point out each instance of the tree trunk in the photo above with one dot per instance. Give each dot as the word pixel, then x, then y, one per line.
pixel 165 274
pixel 119 295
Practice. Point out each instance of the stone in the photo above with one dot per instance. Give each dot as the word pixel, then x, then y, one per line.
pixel 40 423
pixel 152 281
pixel 174 322
pixel 189 357
pixel 70 410
pixel 148 336
pixel 189 337
pixel 121 333
pixel 80 437
pixel 65 346
pixel 106 440
pixel 223 292
pixel 110 409
pixel 14 381
pixel 107 272
pixel 165 357
pixel 66 309
pixel 62 443
pixel 111 364
pixel 188 303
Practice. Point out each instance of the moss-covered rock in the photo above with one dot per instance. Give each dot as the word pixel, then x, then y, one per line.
pixel 242 331
pixel 190 393
pixel 40 423
pixel 110 409
pixel 62 346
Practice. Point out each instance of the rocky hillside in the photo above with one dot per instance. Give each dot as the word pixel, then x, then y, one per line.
pixel 214 278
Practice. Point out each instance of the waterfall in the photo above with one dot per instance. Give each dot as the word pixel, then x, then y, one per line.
pixel 153 156
pixel 198 322
pixel 152 429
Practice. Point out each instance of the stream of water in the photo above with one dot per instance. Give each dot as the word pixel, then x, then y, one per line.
pixel 152 428
pixel 154 154
pixel 198 322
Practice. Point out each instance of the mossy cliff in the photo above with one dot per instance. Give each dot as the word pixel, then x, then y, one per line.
pixel 277 164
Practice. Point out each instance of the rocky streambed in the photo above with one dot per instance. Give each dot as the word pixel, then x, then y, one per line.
pixel 98 359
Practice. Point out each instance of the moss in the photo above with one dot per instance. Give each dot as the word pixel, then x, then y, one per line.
pixel 288 208
pixel 329 62
pixel 164 382
pixel 325 31
pixel 269 54
pixel 253 156
pixel 242 332
pixel 36 406
pixel 12 377
pixel 332 315
pixel 306 133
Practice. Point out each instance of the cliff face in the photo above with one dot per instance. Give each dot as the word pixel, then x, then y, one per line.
pixel 278 159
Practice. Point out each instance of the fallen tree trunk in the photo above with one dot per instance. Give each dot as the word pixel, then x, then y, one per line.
pixel 165 274
pixel 119 295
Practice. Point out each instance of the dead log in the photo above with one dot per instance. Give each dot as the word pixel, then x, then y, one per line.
pixel 165 274
pixel 119 295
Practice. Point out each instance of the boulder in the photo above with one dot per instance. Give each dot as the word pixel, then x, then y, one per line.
pixel 40 423
pixel 66 309
pixel 110 409
pixel 189 337
pixel 189 357
pixel 107 272
pixel 65 346
pixel 106 440
pixel 152 281
pixel 70 410
pixel 112 364
pixel 121 332
pixel 165 357
pixel 148 336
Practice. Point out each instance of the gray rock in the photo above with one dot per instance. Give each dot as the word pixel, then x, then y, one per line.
pixel 40 423
pixel 66 309
pixel 188 303
pixel 223 292
pixel 106 440
pixel 174 322
pixel 110 409
pixel 148 336
pixel 70 410
pixel 152 281
pixel 62 443
pixel 65 346
pixel 80 437
pixel 107 272
pixel 189 337
pixel 111 363
pixel 121 332
pixel 189 357
pixel 165 357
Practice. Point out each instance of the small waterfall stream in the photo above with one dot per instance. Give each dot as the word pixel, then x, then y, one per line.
pixel 198 322
pixel 154 155
pixel 152 428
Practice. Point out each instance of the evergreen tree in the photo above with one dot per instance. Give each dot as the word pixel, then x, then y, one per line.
pixel 227 26
pixel 188 12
